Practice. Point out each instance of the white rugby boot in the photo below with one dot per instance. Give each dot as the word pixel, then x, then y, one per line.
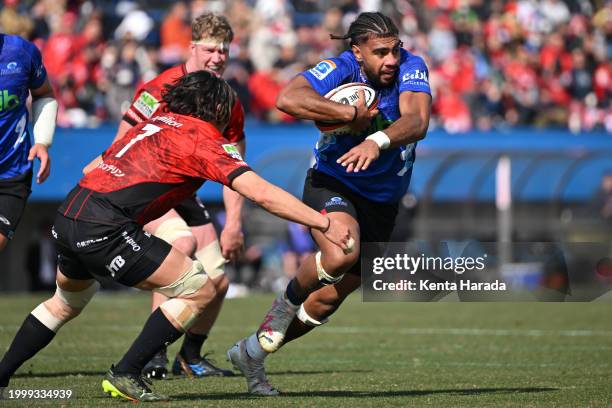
pixel 272 331
pixel 252 369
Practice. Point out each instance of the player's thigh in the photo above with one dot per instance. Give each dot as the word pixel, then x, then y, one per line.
pixel 204 235
pixel 154 225
pixel 72 285
pixel 330 197
pixel 14 193
pixel 171 269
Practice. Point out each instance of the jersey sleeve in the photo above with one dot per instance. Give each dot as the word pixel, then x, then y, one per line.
pixel 327 75
pixel 235 130
pixel 414 76
pixel 143 106
pixel 216 160
pixel 38 73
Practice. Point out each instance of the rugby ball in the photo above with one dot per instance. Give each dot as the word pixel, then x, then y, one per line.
pixel 347 94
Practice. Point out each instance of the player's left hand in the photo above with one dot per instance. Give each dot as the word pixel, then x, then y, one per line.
pixel 40 151
pixel 360 156
pixel 232 243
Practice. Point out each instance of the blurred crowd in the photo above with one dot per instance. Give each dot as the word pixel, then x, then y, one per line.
pixel 493 64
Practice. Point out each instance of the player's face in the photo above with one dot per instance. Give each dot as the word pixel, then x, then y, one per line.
pixel 210 55
pixel 380 59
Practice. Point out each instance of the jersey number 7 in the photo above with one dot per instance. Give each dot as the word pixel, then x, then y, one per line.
pixel 147 131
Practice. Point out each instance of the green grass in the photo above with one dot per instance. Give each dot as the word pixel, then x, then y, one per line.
pixel 372 354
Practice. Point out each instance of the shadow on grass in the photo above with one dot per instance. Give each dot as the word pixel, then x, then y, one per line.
pixel 368 394
pixel 170 376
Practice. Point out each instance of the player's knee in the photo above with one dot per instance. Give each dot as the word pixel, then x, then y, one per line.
pixel 212 259
pixel 193 286
pixel 186 245
pixel 64 306
pixel 336 262
pixel 221 286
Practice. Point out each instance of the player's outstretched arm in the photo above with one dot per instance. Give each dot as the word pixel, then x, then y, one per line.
pixel 281 203
pixel 232 239
pixel 44 115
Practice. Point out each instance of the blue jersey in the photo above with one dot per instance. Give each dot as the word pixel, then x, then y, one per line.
pixel 388 177
pixel 21 69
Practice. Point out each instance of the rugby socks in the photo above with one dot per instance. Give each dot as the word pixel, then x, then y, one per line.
pixel 157 333
pixel 253 348
pixel 192 344
pixel 32 337
pixel 291 294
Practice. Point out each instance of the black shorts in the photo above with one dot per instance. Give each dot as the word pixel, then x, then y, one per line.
pixel 326 194
pixel 193 211
pixel 123 253
pixel 14 193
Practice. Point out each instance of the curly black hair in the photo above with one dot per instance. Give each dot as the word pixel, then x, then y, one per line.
pixel 202 95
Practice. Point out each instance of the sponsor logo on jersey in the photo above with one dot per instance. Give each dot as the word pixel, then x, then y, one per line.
pixel 4 220
pixel 11 68
pixel 130 241
pixel 336 201
pixel 53 232
pixel 416 77
pixel 232 150
pixel 146 104
pixel 116 264
pixel 86 243
pixel 168 120
pixel 112 169
pixel 322 69
pixel 8 101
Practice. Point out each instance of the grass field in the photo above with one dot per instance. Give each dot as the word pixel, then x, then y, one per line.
pixel 392 354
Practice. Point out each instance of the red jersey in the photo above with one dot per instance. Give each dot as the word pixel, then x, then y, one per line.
pixel 148 100
pixel 159 163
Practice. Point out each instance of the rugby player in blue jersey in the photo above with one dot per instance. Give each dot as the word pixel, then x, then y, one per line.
pixel 22 73
pixel 358 178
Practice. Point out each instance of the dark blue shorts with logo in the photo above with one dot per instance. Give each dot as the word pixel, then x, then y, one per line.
pixel 326 195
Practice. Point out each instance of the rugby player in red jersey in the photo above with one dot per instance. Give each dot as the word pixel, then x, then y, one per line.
pixel 188 226
pixel 99 235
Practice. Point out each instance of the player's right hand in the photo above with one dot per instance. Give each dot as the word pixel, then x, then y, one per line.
pixel 92 165
pixel 364 117
pixel 339 234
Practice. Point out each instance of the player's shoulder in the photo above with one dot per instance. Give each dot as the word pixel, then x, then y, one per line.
pixel 17 46
pixel 408 59
pixel 156 85
pixel 344 64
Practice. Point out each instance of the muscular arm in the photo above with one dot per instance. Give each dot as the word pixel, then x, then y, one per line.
pixel 282 204
pixel 231 238
pixel 122 130
pixel 415 109
pixel 300 100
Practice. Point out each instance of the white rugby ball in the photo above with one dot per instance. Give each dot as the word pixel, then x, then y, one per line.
pixel 347 94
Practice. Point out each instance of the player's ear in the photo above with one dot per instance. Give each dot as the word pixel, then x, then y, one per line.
pixel 357 53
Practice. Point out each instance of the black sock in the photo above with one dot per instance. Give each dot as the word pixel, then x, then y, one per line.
pixel 32 337
pixel 157 333
pixel 292 295
pixel 192 346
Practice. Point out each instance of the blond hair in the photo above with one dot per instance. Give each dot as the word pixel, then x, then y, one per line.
pixel 211 26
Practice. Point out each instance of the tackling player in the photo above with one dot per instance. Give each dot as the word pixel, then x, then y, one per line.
pixel 98 227
pixel 357 179
pixel 22 73
pixel 188 226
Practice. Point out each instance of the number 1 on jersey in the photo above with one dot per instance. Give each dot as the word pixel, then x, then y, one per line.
pixel 148 130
